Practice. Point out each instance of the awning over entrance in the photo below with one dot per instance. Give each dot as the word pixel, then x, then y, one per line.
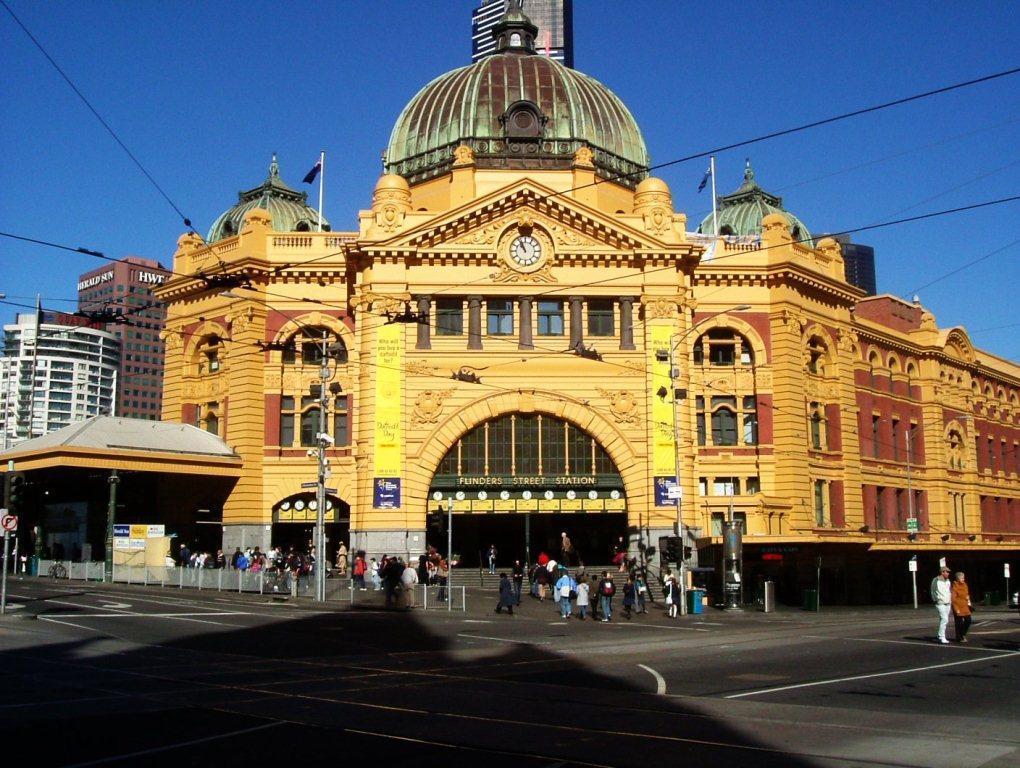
pixel 106 442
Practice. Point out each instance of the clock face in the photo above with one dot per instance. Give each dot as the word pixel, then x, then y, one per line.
pixel 525 250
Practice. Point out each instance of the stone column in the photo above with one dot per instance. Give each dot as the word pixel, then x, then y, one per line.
pixel 474 322
pixel 576 332
pixel 526 341
pixel 627 322
pixel 424 329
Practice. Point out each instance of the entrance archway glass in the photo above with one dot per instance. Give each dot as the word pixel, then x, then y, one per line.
pixel 520 480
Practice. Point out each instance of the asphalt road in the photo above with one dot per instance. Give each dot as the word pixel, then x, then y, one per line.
pixel 131 675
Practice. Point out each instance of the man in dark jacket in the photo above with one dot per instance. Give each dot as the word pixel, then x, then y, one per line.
pixel 518 580
pixel 606 591
pixel 506 595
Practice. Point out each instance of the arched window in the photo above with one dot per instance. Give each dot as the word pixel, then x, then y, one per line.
pixel 724 424
pixel 873 363
pixel 208 355
pixel 955 452
pixel 722 347
pixel 212 424
pixel 817 355
pixel 306 347
pixel 817 420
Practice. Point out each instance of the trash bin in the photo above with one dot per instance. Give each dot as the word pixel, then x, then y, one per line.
pixel 768 597
pixel 991 598
pixel 810 599
pixel 695 600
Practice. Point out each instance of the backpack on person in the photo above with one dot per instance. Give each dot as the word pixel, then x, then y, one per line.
pixel 608 588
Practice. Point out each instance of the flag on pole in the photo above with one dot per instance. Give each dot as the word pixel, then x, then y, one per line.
pixel 310 176
pixel 705 178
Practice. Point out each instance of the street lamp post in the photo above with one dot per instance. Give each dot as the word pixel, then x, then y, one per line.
pixel 111 513
pixel 678 394
pixel 323 441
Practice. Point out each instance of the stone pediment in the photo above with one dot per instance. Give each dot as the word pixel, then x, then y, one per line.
pixel 571 226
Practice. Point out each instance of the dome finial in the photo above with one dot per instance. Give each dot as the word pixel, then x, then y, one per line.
pixel 514 33
pixel 748 171
pixel 274 168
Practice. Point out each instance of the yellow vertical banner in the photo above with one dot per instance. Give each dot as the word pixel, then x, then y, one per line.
pixel 663 425
pixel 388 433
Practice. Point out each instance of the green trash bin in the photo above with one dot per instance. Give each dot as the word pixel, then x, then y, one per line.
pixel 810 599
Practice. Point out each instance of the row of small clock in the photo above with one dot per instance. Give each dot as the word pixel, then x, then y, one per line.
pixel 483 495
pixel 301 504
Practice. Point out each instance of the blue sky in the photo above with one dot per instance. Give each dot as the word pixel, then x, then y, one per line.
pixel 204 92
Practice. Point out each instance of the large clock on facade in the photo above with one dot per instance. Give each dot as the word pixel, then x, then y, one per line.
pixel 526 250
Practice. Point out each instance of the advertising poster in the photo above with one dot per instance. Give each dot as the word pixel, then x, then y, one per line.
pixel 388 427
pixel 663 426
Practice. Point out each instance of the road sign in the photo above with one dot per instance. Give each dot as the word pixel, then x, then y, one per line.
pixel 912 525
pixel 9 523
pixel 912 566
pixel 1005 568
pixel 312 484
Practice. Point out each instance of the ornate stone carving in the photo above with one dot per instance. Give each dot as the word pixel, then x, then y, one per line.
pixel 369 301
pixel 485 236
pixel 428 406
pixel 507 275
pixel 463 155
pixel 173 338
pixel 389 218
pixel 584 158
pixel 847 339
pixel 420 368
pixel 658 220
pixel 928 321
pixel 795 318
pixel 660 308
pixel 623 405
pixel 241 321
pixel 272 380
pixel 631 368
pixel 569 237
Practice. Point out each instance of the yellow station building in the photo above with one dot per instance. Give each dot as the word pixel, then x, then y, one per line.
pixel 525 332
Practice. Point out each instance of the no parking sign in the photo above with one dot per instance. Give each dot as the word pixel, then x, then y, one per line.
pixel 9 523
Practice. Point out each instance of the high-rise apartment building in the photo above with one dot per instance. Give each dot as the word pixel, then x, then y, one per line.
pixel 124 290
pixel 56 369
pixel 554 19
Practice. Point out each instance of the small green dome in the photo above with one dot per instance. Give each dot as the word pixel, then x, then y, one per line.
pixel 741 212
pixel 288 207
pixel 516 109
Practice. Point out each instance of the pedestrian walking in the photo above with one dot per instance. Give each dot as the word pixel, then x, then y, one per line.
pixel 341 560
pixel 942 596
pixel 672 591
pixel 641 590
pixel 518 576
pixel 606 591
pixel 566 590
pixel 542 579
pixel 961 607
pixel 374 574
pixel 408 584
pixel 583 589
pixel 620 554
pixel 492 558
pixel 359 572
pixel 629 597
pixel 567 552
pixel 506 595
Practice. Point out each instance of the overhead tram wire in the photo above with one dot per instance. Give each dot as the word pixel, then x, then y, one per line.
pixel 186 221
pixel 754 140
pixel 459 288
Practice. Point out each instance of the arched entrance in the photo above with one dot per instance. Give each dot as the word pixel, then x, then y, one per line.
pixel 294 523
pixel 517 481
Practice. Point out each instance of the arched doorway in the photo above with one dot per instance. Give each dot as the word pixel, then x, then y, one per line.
pixel 518 481
pixel 294 523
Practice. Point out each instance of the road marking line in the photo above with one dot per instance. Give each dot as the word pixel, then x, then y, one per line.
pixel 868 677
pixel 997 631
pixel 178 745
pixel 68 624
pixel 660 681
pixel 135 615
pixel 499 639
pixel 922 643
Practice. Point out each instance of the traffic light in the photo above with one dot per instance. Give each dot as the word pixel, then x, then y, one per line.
pixel 17 495
pixel 688 553
pixel 435 521
pixel 673 549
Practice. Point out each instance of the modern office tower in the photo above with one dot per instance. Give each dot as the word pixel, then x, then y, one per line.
pixel 122 291
pixel 859 261
pixel 554 19
pixel 56 369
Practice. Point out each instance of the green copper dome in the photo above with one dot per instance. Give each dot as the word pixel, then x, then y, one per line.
pixel 741 212
pixel 516 110
pixel 288 207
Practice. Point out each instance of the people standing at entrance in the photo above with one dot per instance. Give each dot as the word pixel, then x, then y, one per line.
pixel 506 595
pixel 567 553
pixel 409 583
pixel 359 571
pixel 582 597
pixel 942 596
pixel 442 577
pixel 373 574
pixel 620 554
pixel 961 607
pixel 341 560
pixel 542 579
pixel 492 558
pixel 606 591
pixel 641 591
pixel 629 597
pixel 391 576
pixel 518 575
pixel 672 591
pixel 566 590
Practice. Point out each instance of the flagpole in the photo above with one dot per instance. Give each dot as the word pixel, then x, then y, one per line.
pixel 715 218
pixel 322 178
